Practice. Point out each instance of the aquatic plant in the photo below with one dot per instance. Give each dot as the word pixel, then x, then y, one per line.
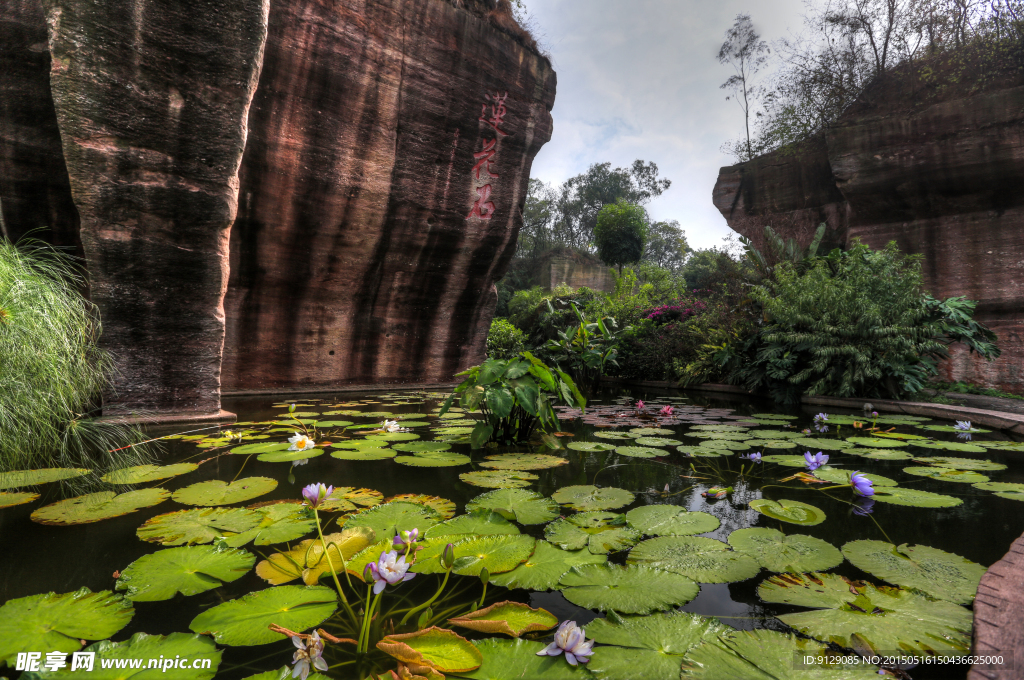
pixel 570 639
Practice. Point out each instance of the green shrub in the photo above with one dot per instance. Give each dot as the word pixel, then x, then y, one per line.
pixel 504 340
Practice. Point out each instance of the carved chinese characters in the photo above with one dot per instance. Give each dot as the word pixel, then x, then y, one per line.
pixel 483 207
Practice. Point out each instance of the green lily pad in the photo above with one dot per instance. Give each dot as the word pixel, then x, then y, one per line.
pixel 525 507
pixel 445 651
pixel 767 655
pixel 778 552
pixel 442 506
pixel 724 444
pixel 704 452
pixel 284 673
pixel 773 416
pixel 393 437
pixel 638 451
pixel 600 532
pixel 730 436
pixel 825 444
pixel 52 622
pixel 793 512
pixel 499 479
pixel 201 525
pixel 944 474
pixel 289 456
pixel 655 643
pixel 705 560
pixel 434 459
pixel 261 447
pixel 951 428
pixel 244 622
pixel 592 498
pixel 95 507
pixel 308 562
pixel 8 499
pixel 517 660
pixel 545 567
pixel 630 590
pixel 934 572
pixel 194 648
pixel 497 553
pixel 19 478
pixel 590 446
pixel 335 423
pixel 358 444
pixel 877 442
pixel 649 431
pixel 140 474
pixel 898 495
pixel 363 453
pixel 887 618
pixel 842 476
pixel 718 427
pixel 510 618
pixel 452 430
pixel 951 446
pixel 961 463
pixel 388 519
pixel 349 499
pixel 1014 492
pixel 615 435
pixel 282 521
pixel 187 570
pixel 776 434
pixel 787 459
pixel 774 444
pixel 219 492
pixel 420 447
pixel 670 520
pixel 879 454
pixel 523 461
pixel 657 441
pixel 476 523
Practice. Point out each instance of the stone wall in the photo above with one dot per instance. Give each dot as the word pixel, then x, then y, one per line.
pixel 596 276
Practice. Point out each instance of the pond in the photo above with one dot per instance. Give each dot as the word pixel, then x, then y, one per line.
pixel 939 510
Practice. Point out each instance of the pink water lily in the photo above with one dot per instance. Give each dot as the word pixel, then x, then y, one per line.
pixel 571 639
pixel 667 411
pixel 639 405
pixel 390 569
pixel 316 493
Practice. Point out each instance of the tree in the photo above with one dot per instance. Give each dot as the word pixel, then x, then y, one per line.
pixel 744 50
pixel 538 215
pixel 620 233
pixel 666 245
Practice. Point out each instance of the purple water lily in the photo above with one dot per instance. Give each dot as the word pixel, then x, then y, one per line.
pixel 816 461
pixel 571 639
pixel 862 486
pixel 307 655
pixel 405 539
pixel 390 569
pixel 316 493
pixel 963 428
pixel 820 421
pixel 756 456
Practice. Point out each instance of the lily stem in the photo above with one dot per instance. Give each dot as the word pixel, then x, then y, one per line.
pixel 330 563
pixel 428 602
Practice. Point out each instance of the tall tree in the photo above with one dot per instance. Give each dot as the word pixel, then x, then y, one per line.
pixel 744 50
pixel 620 233
pixel 666 245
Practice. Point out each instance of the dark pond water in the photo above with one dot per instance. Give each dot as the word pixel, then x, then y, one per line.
pixel 35 558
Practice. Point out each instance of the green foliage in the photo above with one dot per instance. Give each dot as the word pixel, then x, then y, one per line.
pixel 504 340
pixel 542 314
pixel 621 233
pixel 666 247
pixel 586 350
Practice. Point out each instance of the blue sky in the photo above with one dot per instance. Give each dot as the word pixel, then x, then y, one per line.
pixel 639 79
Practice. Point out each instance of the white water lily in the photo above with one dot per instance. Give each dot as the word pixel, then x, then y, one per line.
pixel 571 639
pixel 300 442
pixel 392 426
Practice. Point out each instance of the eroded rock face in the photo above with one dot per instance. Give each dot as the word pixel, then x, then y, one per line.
pixel 390 145
pixel 943 180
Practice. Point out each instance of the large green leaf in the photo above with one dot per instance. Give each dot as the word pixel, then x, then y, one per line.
pixel 497 553
pixel 307 561
pixel 944 474
pixel 793 512
pixel 140 474
pixel 841 476
pixel 1012 491
pixel 942 575
pixel 509 618
pixel 600 532
pixel 615 435
pixel 187 570
pixel 590 446
pixel 282 521
pixel 898 495
pixel 824 444
pixel 639 451
pixel 177 648
pixel 887 618
pixel 8 499
pixel 651 647
pixel 877 442
pixel 773 444
pixel 499 479
pixel 58 623
pixel 657 441
pixel 18 478
pixel 776 551
pixel 670 520
pixel 951 428
pixel 420 447
pixel 592 498
pixel 95 507
pixel 517 660
pixel 951 446
pixel 388 519
pixel 244 622
pixel 392 437
pixel 444 507
pixel 767 655
pixel 349 499
pixel 545 567
pixel 289 456
pixel 478 523
pixel 525 507
pixel 443 650
pixel 434 459
pixel 705 560
pixel 630 590
pixel 201 525
pixel 261 447
pixel 523 461
pixel 364 453
pixel 787 459
pixel 961 463
pixel 219 492
pixel 879 454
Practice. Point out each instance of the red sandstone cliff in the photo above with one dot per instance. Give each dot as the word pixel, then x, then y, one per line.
pixel 936 169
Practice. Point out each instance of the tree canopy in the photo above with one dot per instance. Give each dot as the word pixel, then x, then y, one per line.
pixel 621 233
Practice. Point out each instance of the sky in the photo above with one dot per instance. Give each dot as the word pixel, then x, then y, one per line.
pixel 640 79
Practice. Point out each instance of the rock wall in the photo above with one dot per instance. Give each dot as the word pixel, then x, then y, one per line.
pixel 330 187
pixel 943 179
pixel 596 276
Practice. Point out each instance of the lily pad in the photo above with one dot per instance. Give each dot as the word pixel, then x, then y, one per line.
pixel 335 423
pixel 793 512
pixel 934 572
pixel 477 523
pixel 724 444
pixel 1014 492
pixel 615 435
pixel 282 521
pixel 774 444
pixel 545 567
pixel 590 446
pixel 219 492
pixel 19 478
pixel 961 463
pixel 898 495
pixel 639 451
pixel 877 442
pixel 261 447
pixel 523 461
pixel 499 479
pixel 388 519
pixel 825 444
pixel 434 459
pixel 140 474
pixel 944 474
pixel 498 554
pixel 509 618
pixel 600 532
pixel 879 454
pixel 420 447
pixel 8 499
pixel 289 456
pixel 363 453
pixel 657 441
pixel 95 507
pixel 648 431
pixel 951 446
pixel 951 428
pixel 52 622
pixel 776 434
pixel 444 507
pixel 841 476
pixel 244 622
pixel 201 525
pixel 887 618
pixel 630 590
pixel 393 437
pixel 787 459
pixel 187 570
pixel 655 643
pixel 517 660
pixel 443 650
pixel 705 560
pixel 670 520
pixel 142 646
pixel 349 499
pixel 778 552
pixel 525 507
pixel 307 561
pixel 592 498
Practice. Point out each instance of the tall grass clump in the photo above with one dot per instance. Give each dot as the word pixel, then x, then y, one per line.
pixel 52 373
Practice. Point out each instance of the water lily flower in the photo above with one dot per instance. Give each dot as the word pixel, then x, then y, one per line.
pixel 300 442
pixel 392 426
pixel 806 430
pixel 316 493
pixel 307 655
pixel 571 639
pixel 819 422
pixel 756 456
pixel 816 461
pixel 667 411
pixel 404 539
pixel 390 569
pixel 874 414
pixel 963 425
pixel 861 485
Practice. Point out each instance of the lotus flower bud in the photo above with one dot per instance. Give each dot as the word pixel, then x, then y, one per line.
pixel 448 556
